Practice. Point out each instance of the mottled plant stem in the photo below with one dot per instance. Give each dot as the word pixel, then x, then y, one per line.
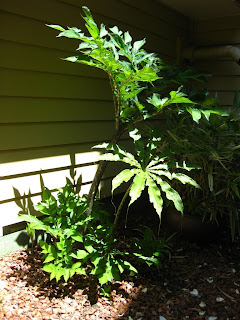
pixel 99 174
pixel 115 224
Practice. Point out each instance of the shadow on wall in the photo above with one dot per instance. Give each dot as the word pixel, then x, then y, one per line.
pixel 14 236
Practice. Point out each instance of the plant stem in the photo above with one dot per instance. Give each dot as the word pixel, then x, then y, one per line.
pixel 115 224
pixel 98 176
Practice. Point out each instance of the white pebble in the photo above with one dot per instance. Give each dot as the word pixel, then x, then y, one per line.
pixel 194 292
pixel 219 299
pixel 2 284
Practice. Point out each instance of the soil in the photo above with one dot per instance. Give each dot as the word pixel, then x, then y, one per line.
pixel 198 282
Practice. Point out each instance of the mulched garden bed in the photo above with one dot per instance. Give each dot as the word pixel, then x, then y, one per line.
pixel 199 282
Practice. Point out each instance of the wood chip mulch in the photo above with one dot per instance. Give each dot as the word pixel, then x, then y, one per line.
pixel 199 282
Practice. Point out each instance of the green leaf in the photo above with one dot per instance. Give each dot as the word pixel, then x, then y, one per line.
pixel 71 33
pixel 77 237
pixel 35 222
pixel 119 151
pixel 179 97
pixel 60 245
pixel 49 258
pixel 58 274
pixel 46 195
pixel 132 93
pixel 114 271
pixel 110 157
pixel 235 189
pixel 119 265
pixel 86 60
pixel 91 25
pixel 171 194
pixel 103 31
pixel 134 134
pixel 43 208
pixel 206 113
pixel 56 27
pixel 210 181
pixel 195 113
pixel 80 271
pixel 115 30
pixel 80 254
pixel 161 166
pixel 183 165
pixel 49 267
pixel 138 44
pixel 76 265
pixel 83 45
pixel 52 275
pixel 127 37
pixel 123 176
pixel 89 248
pixel 104 278
pixel 129 266
pixel 118 41
pixel 95 259
pixel 154 195
pixel 66 274
pixel 48 248
pixel 145 74
pixel 137 187
pixel 117 157
pixel 155 100
pixel 185 179
pixel 220 111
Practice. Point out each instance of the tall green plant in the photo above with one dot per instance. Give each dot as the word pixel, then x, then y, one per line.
pixel 130 70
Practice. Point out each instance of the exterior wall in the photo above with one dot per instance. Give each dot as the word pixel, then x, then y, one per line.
pixel 52 112
pixel 226 73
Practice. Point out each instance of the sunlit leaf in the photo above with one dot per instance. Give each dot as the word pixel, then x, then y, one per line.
pixel 127 37
pixel 123 176
pixel 137 187
pixel 185 179
pixel 172 195
pixel 154 195
pixel 138 44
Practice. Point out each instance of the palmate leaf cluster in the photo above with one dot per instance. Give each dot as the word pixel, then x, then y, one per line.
pixel 148 170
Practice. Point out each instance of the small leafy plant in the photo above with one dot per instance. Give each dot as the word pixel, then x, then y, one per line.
pixel 108 260
pixel 78 243
pixel 63 223
pixel 150 169
pixel 149 249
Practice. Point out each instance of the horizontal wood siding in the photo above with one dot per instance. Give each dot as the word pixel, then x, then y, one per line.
pixel 53 111
pixel 226 73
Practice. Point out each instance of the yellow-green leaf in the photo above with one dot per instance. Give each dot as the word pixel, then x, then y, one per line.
pixel 137 186
pixel 123 176
pixel 154 195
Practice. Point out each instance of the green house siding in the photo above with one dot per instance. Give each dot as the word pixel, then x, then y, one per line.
pixel 52 109
pixel 226 73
